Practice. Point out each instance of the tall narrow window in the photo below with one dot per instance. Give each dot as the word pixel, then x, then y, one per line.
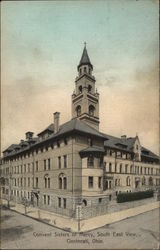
pixel 49 164
pixel 28 182
pixel 44 199
pixel 64 202
pixel 65 161
pixel 60 183
pixel 90 181
pixel 48 200
pixel 48 182
pixel 78 110
pixel 65 182
pixel 59 162
pixel 59 202
pixel 91 110
pixel 99 182
pixel 45 182
pixel 36 182
pixel 126 168
pixel 44 164
pixel 110 167
pixel 120 168
pixel 36 166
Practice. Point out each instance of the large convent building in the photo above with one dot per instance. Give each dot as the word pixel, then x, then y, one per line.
pixel 74 163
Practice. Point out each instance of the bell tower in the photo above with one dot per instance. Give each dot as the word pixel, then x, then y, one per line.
pixel 85 99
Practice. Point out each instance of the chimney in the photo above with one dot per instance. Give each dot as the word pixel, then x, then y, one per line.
pixel 29 135
pixel 124 137
pixel 56 122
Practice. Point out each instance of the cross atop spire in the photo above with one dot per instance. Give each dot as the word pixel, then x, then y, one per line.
pixel 85 58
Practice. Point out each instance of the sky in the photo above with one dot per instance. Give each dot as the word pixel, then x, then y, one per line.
pixel 41 46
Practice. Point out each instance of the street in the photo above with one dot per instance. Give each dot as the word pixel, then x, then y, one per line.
pixel 21 232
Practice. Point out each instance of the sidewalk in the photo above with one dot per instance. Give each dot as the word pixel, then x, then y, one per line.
pixel 71 224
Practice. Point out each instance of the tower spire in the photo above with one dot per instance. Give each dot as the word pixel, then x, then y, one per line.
pixel 85 58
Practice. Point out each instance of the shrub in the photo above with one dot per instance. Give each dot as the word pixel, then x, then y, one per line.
pixel 124 197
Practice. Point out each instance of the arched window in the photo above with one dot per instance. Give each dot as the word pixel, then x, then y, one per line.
pixel 80 89
pixel 84 203
pixel 60 183
pixel 89 71
pixel 85 69
pixel 89 88
pixel 91 110
pixel 128 181
pixel 78 110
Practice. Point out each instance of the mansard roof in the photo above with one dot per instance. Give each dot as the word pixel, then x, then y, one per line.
pixel 50 129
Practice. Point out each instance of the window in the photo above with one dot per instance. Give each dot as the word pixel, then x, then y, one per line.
pixel 48 182
pixel 28 182
pixel 65 141
pixel 60 183
pixel 21 182
pixel 44 164
pixel 85 69
pixel 126 168
pixel 89 88
pixel 49 164
pixel 48 200
pixel 91 110
pixel 24 181
pixel 152 171
pixel 90 181
pixel 120 168
pixel 59 162
pixel 21 169
pixel 65 182
pixel 24 168
pixel 36 182
pixel 110 184
pixel 59 202
pixel 100 200
pixel 89 71
pixel 45 182
pixel 141 170
pixel 33 167
pixel 80 71
pixel 36 166
pixel 110 197
pixel 58 144
pixel 110 167
pixel 115 167
pixel 64 202
pixel 78 110
pixel 84 203
pixel 65 161
pixel 99 182
pixel 28 168
pixel 44 199
pixel 90 161
pixel 80 89
pixel 128 181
